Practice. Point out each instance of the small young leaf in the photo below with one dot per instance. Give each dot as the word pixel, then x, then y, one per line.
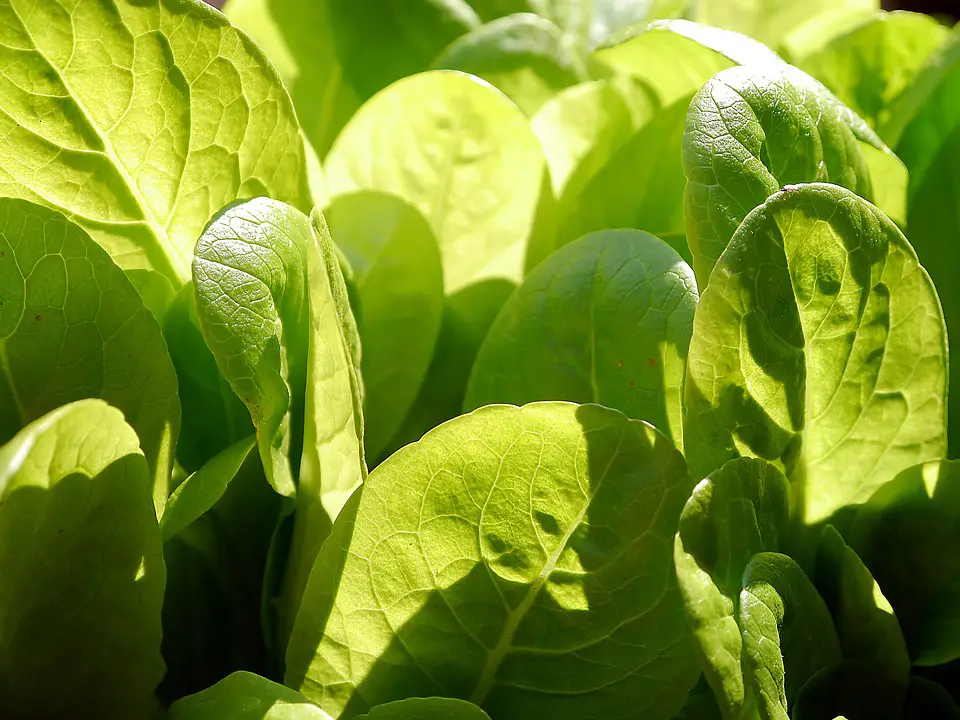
pixel 245 696
pixel 868 629
pixel 802 352
pixel 734 514
pixel 751 131
pixel 493 532
pixel 522 55
pixel 606 319
pixel 787 632
pixel 81 567
pixel 426 709
pixel 463 155
pixel 201 490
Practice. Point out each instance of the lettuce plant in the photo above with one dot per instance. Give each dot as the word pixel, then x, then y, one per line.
pixel 466 359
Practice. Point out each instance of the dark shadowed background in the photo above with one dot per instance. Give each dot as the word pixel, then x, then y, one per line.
pixel 948 8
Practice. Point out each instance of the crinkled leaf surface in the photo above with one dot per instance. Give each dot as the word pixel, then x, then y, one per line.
pixel 245 696
pixel 72 326
pixel 924 127
pixel 787 632
pixel 751 131
pixel 78 533
pixel 381 41
pixel 462 154
pixel 907 534
pixel 426 709
pixel 870 66
pixel 298 38
pixel 737 512
pixel 398 279
pixel 818 345
pixel 523 55
pixel 865 621
pixel 140 120
pixel 274 312
pixel 493 532
pixel 213 417
pixel 606 319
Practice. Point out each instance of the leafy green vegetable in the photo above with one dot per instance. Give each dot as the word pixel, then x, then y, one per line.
pixel 924 128
pixel 399 286
pixel 607 319
pixel 201 490
pixel 751 132
pixel 865 621
pixel 737 512
pixel 459 152
pixel 298 39
pixel 72 326
pixel 214 418
pixel 139 121
pixel 82 569
pixel 492 532
pixel 819 345
pixel 381 41
pixel 523 55
pixel 426 709
pixel 895 534
pixel 245 696
pixel 274 312
pixel 869 67
pixel 784 24
pixel 787 632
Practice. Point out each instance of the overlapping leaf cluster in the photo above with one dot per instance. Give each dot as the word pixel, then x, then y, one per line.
pixel 617 303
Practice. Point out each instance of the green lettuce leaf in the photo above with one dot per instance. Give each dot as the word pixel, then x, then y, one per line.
pixel 734 514
pixel 426 709
pixel 865 621
pixel 245 696
pixel 871 65
pixel 72 326
pixel 463 155
pixel 83 573
pixel 751 131
pixel 398 282
pixel 606 319
pixel 787 633
pixel 139 121
pixel 381 41
pixel 523 55
pixel 454 569
pixel 213 417
pixel 298 38
pixel 201 490
pixel 819 345
pixel 924 128
pixel 274 312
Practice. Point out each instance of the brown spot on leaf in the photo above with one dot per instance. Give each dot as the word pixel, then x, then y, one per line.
pixel 651 361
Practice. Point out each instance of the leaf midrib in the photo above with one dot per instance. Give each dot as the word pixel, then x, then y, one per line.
pixel 149 219
pixel 505 644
